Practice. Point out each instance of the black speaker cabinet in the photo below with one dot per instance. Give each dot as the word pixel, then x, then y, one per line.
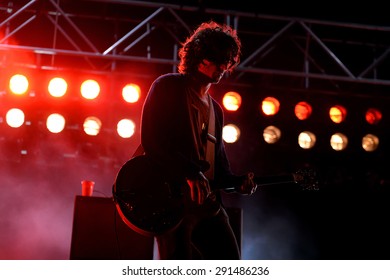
pixel 100 234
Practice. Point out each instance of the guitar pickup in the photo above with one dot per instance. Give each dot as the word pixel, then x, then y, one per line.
pixel 211 138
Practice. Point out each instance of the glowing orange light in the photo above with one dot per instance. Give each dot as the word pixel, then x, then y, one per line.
pixel 270 106
pixel 55 123
pixel 370 142
pixel 126 128
pixel 92 126
pixel 90 89
pixel 131 93
pixel 18 84
pixel 232 101
pixel 271 134
pixel 373 116
pixel 337 113
pixel 303 110
pixel 57 87
pixel 230 133
pixel 15 117
pixel 306 140
pixel 339 141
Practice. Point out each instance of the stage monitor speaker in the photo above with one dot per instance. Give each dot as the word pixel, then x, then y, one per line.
pixel 100 234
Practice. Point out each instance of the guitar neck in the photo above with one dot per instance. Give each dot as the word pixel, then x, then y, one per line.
pixel 265 181
pixel 306 179
pixel 274 180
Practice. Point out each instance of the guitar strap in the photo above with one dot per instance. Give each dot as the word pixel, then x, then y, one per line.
pixel 211 140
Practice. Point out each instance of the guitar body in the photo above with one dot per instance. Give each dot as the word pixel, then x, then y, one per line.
pixel 145 200
pixel 152 205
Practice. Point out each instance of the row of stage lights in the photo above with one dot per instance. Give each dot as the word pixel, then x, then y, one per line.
pixel 303 110
pixel 57 88
pixel 231 101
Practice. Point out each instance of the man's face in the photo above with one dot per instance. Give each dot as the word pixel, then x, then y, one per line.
pixel 212 70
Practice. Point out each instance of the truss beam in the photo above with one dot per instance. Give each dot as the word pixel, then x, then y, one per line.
pixel 120 31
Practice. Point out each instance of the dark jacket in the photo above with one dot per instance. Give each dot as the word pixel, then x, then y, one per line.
pixel 166 132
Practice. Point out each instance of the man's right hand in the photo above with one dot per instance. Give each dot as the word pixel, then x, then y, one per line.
pixel 200 188
pixel 248 186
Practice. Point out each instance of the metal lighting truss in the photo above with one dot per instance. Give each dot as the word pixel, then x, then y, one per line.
pixel 122 35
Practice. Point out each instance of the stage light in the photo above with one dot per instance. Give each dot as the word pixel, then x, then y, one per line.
pixel 306 140
pixel 271 134
pixel 131 93
pixel 15 117
pixel 338 141
pixel 90 89
pixel 18 84
pixel 232 101
pixel 337 114
pixel 57 87
pixel 370 142
pixel 270 106
pixel 230 133
pixel 55 123
pixel 92 126
pixel 303 110
pixel 373 116
pixel 126 128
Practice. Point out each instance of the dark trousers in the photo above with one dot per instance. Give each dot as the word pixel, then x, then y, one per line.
pixel 202 234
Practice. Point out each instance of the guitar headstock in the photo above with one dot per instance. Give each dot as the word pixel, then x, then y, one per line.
pixel 307 178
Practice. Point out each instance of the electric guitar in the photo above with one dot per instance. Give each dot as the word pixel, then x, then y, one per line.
pixel 150 205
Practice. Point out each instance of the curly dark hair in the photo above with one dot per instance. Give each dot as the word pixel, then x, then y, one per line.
pixel 215 42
